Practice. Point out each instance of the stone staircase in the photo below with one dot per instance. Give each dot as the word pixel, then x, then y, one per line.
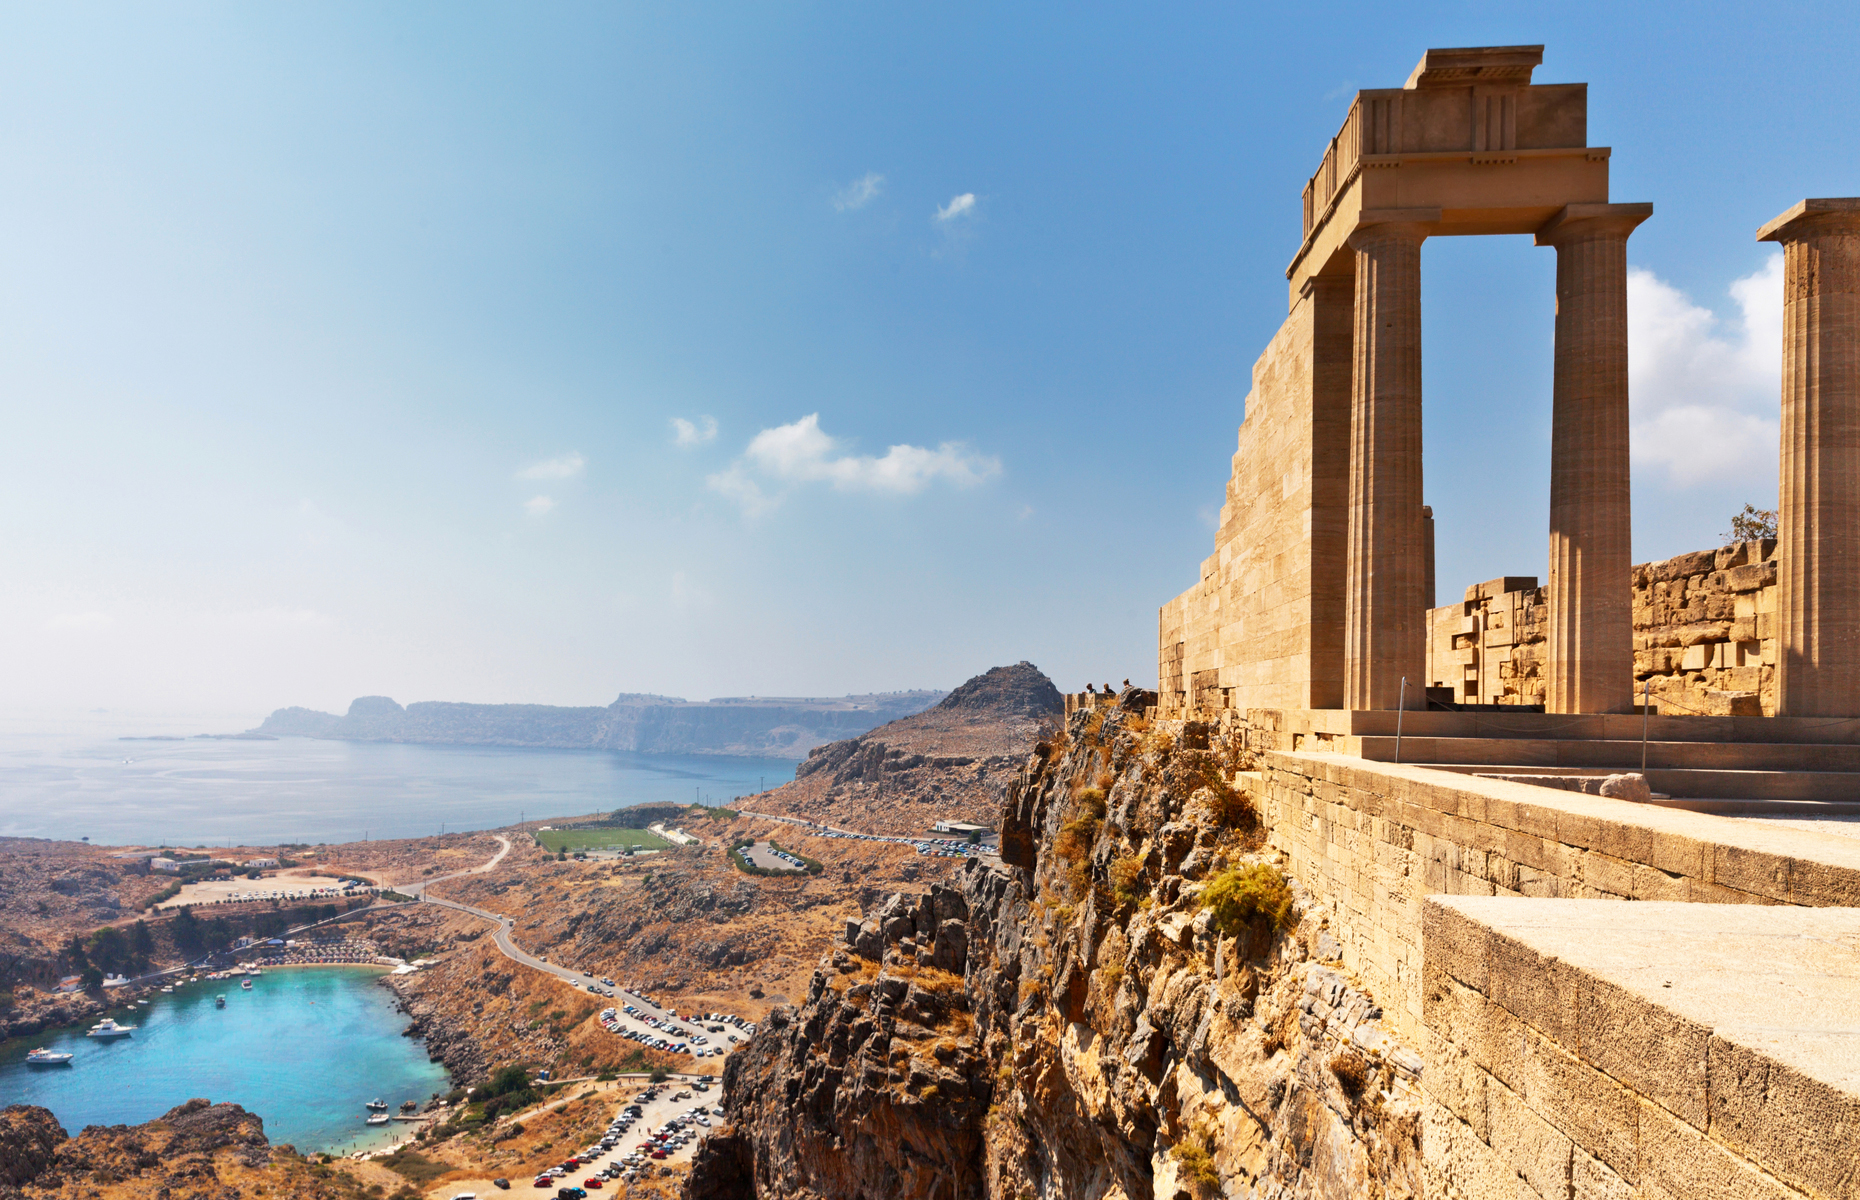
pixel 1757 765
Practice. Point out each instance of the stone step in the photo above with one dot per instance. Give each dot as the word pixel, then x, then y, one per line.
pixel 1817 793
pixel 1620 755
pixel 1321 725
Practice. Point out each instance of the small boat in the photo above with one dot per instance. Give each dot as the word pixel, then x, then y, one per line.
pixel 47 1058
pixel 245 985
pixel 219 1001
pixel 108 1028
pixel 168 989
pixel 377 1105
pixel 378 1119
pixel 143 1003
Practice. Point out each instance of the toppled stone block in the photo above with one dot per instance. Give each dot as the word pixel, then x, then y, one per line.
pixel 1629 786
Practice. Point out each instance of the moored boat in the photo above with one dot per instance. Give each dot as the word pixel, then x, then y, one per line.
pixel 379 1118
pixel 47 1058
pixel 377 1105
pixel 108 1028
pixel 219 1001
pixel 245 985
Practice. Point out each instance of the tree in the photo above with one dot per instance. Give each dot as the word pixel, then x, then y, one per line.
pixel 1751 525
pixel 93 979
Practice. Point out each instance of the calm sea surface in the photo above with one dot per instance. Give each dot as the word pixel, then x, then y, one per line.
pixel 74 779
pixel 305 1049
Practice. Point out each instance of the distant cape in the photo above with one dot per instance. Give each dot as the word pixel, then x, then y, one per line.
pixel 761 727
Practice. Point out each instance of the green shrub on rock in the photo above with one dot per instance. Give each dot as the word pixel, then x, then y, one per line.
pixel 1238 895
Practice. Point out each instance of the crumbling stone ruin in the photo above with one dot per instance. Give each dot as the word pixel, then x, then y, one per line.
pixel 1705 636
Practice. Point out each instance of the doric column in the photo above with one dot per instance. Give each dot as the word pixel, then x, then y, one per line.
pixel 1818 567
pixel 1385 601
pixel 1589 663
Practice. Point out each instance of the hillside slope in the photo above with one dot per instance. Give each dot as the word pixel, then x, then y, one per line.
pixel 953 761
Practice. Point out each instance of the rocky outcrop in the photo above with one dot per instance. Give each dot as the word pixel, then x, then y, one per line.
pixel 191 1147
pixel 953 761
pixel 1136 1003
pixel 776 728
pixel 29 1136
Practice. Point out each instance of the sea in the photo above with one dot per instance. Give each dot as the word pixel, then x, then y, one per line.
pixel 73 778
pixel 306 1049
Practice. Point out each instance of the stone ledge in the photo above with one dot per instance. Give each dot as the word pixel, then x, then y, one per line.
pixel 1736 1030
pixel 1776 865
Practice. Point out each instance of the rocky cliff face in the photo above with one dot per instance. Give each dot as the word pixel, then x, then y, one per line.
pixel 1136 1003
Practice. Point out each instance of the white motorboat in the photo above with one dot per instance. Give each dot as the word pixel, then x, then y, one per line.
pixel 47 1058
pixel 379 1118
pixel 245 985
pixel 108 1028
pixel 377 1105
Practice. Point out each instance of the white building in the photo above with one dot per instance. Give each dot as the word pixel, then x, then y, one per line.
pixel 261 862
pixel 163 864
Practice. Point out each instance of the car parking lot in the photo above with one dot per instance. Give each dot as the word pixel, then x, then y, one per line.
pixel 660 1124
pixel 766 856
pixel 701 1035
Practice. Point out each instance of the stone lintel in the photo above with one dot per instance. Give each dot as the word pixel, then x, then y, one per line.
pixel 1841 209
pixel 1458 66
pixel 1574 217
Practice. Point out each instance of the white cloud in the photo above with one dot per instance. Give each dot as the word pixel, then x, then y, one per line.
pixel 859 192
pixel 736 485
pixel 565 466
pixel 1705 390
pixel 684 433
pixel 536 506
pixel 802 452
pixel 278 616
pixel 82 620
pixel 959 206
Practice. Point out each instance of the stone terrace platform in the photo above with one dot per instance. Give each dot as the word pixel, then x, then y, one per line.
pixel 1752 764
pixel 1593 1048
pixel 1613 999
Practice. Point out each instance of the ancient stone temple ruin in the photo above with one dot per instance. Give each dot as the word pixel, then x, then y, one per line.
pixel 1461 785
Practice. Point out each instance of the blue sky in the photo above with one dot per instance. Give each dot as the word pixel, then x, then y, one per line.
pixel 344 347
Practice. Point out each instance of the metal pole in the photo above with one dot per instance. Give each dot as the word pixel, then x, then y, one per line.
pixel 1646 689
pixel 1401 706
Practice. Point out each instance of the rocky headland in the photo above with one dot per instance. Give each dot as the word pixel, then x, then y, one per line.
pixel 953 761
pixel 762 727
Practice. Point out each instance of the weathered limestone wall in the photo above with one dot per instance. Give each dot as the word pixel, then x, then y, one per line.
pixel 1580 1049
pixel 1264 626
pixel 1705 635
pixel 1372 840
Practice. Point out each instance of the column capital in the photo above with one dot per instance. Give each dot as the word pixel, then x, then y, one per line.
pixel 1807 216
pixel 1578 221
pixel 1377 224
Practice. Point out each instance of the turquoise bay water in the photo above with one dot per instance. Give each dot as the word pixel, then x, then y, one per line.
pixel 72 779
pixel 305 1049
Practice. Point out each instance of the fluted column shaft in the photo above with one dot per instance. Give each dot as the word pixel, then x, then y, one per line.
pixel 1589 655
pixel 1818 577
pixel 1385 598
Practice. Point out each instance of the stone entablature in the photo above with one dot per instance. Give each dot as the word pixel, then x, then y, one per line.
pixel 1705 636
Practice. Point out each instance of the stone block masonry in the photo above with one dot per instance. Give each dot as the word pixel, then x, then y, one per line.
pixel 1373 840
pixel 1704 624
pixel 1587 1049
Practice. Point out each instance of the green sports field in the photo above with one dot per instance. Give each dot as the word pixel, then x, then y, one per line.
pixel 554 840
